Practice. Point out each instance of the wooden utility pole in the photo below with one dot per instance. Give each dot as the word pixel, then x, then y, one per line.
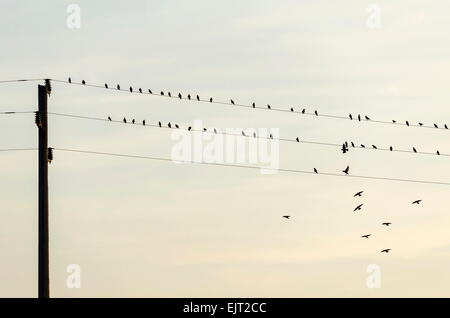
pixel 43 262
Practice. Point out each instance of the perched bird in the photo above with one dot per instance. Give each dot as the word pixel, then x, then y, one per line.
pixel 169 125
pixel 243 133
pixel 109 118
pixel 106 85
pixel 358 207
pixel 179 96
pixel 143 122
pixel 131 89
pixel 420 124
pixel 445 126
pixel 162 93
pixel 374 147
pixel 268 106
pixel 394 121
pixel 83 82
pixel 359 117
pixel 210 100
pixel 417 202
pixel 159 123
pixel 253 105
pixel 386 250
pixel 150 91
pixel 344 149
pixel 204 129
pixel 215 130
pixel 286 216
pixel 176 126
pixel 124 120
pixel 198 97
pixel 350 116
pixel 292 109
pixel 189 128
pixel 168 93
pixel 297 139
pixel 436 126
pixel 232 101
pixel 362 146
pixel 414 149
pixel 303 110
pixel 353 145
pixel 254 134
pixel 438 153
pixel 346 170
pixel 390 148
pixel 366 236
pixel 315 170
pixel 271 136
pixel 407 123
pixel 189 96
pixel 386 223
pixel 70 80
pixel 315 112
pixel 133 121
pixel 140 90
pixel 118 87
pixel 367 117
pixel 358 194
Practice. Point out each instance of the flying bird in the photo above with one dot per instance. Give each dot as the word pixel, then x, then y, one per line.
pixel 162 93
pixel 438 153
pixel 346 170
pixel 436 126
pixel 366 236
pixel 367 117
pixel 407 123
pixel 374 147
pixel 386 250
pixel 417 202
pixel 420 124
pixel 286 216
pixel 176 126
pixel 297 139
pixel 386 223
pixel 150 91
pixel 353 145
pixel 445 126
pixel 243 134
pixel 168 93
pixel 394 121
pixel 362 146
pixel 358 207
pixel 292 109
pixel 358 194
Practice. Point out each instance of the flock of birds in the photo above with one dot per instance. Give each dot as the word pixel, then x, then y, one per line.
pixel 197 97
pixel 359 208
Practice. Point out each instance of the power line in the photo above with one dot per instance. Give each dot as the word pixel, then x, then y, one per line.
pixel 17 149
pixel 22 80
pixel 257 137
pixel 251 167
pixel 20 112
pixel 294 110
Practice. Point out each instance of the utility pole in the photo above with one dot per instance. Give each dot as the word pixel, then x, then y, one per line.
pixel 43 254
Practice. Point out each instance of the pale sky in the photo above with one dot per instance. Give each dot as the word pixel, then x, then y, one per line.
pixel 141 228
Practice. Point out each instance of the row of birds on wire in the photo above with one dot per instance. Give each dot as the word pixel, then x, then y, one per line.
pixel 358 117
pixel 344 148
pixel 359 208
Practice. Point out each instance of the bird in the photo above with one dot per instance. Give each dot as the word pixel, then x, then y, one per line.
pixel 169 125
pixel 420 124
pixel 70 80
pixel 83 82
pixel 386 223
pixel 133 121
pixel 394 121
pixel 297 139
pixel 367 117
pixel 390 148
pixel 346 170
pixel 436 126
pixel 358 194
pixel 414 149
pixel 253 105
pixel 315 112
pixel 268 106
pixel 176 126
pixel 358 207
pixel 385 251
pixel 374 147
pixel 353 145
pixel 254 134
pixel 106 85
pixel 315 170
pixel 179 96
pixel 215 130
pixel 344 149
pixel 362 146
pixel 417 202
pixel 168 93
pixel 438 153
pixel 210 99
pixel 243 133
pixel 109 118
pixel 204 129
pixel 189 96
pixel 140 90
pixel 143 122
pixel 118 87
pixel 407 123
pixel 124 120
pixel 271 136
pixel 131 89
pixel 303 110
pixel 286 216
pixel 445 126
pixel 359 117
pixel 162 93
pixel 292 109
pixel 159 123
pixel 198 97
pixel 350 116
pixel 150 91
pixel 232 101
pixel 189 128
pixel 366 236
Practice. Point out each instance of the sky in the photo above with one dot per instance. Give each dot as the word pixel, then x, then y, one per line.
pixel 143 228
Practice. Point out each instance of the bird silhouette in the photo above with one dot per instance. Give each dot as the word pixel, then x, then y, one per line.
pixel 118 87
pixel 316 113
pixel 168 93
pixel 362 146
pixel 417 202
pixel 215 130
pixel 109 118
pixel 232 101
pixel 271 136
pixel 366 236
pixel 253 105
pixel 140 90
pixel 374 147
pixel 169 125
pixel 438 153
pixel 131 89
pixel 353 145
pixel 315 170
pixel 436 126
pixel 159 123
pixel 350 116
pixel 254 134
pixel 394 121
pixel 204 129
pixel 179 96
pixel 292 109
pixel 243 133
pixel 150 91
pixel 133 121
pixel 287 216
pixel 210 100
pixel 70 80
pixel 420 124
pixel 367 117
pixel 303 110
pixel 359 117
pixel 106 85
pixel 358 207
pixel 176 126
pixel 189 128
pixel 390 148
pixel 407 123
pixel 143 122
pixel 124 120
pixel 445 126
pixel 385 251
pixel 414 149
pixel 83 82
pixel 297 139
pixel 268 106
pixel 344 149
pixel 358 194
pixel 198 97
pixel 346 170
pixel 162 93
pixel 189 96
pixel 386 223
